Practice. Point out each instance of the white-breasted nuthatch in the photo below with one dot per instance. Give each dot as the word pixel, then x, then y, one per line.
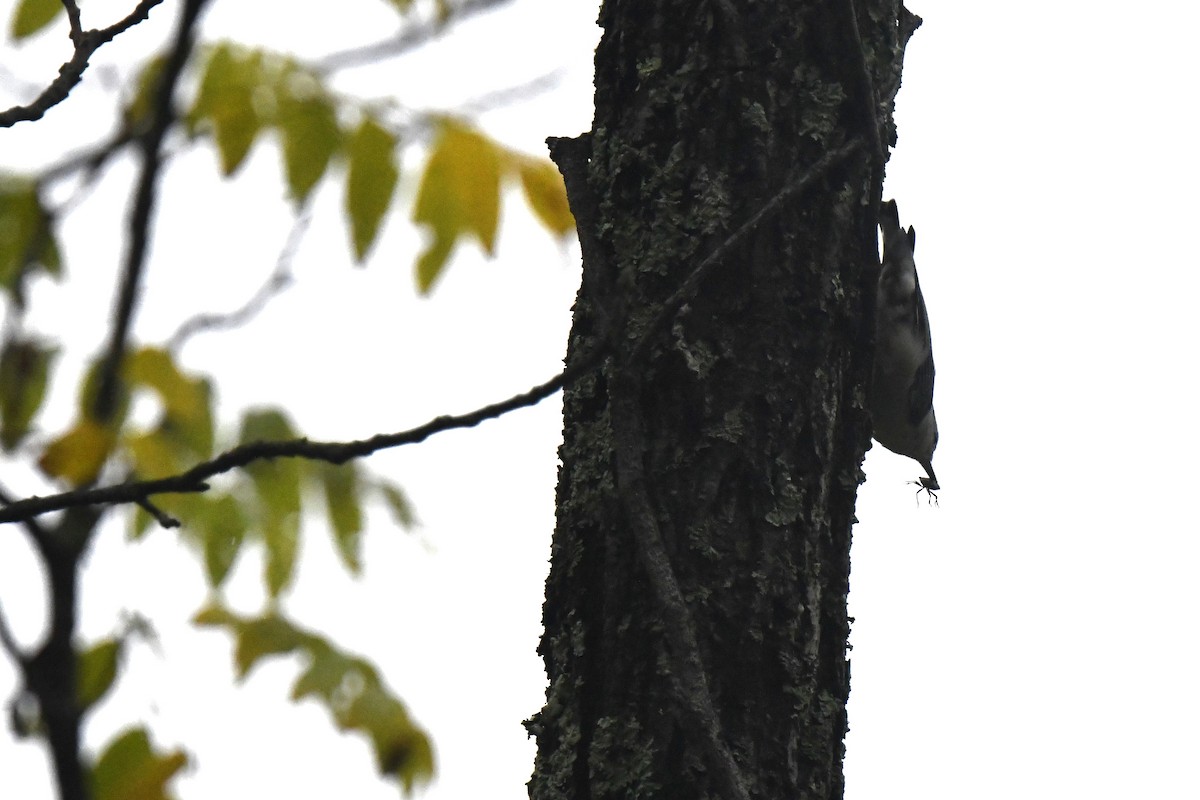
pixel 900 398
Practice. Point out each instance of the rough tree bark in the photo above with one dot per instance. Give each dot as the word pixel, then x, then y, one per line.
pixel 726 198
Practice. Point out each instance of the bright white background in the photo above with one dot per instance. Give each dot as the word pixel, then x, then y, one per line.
pixel 1032 637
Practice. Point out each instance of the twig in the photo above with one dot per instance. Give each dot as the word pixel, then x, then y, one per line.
pixel 276 282
pixel 412 37
pixel 194 479
pixel 161 517
pixel 71 72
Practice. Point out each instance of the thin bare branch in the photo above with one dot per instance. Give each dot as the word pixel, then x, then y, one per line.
pixel 194 480
pixel 410 38
pixel 71 72
pixel 279 279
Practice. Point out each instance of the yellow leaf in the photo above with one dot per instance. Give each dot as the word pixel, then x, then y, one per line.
pixel 459 194
pixel 30 16
pixel 78 454
pixel 370 182
pixel 546 195
pixel 129 769
pixel 309 127
pixel 96 670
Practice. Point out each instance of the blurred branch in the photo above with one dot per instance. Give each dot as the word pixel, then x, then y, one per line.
pixel 502 98
pixel 410 38
pixel 276 282
pixel 70 73
pixel 162 115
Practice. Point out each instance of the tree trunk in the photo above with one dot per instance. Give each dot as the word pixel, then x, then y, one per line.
pixel 726 198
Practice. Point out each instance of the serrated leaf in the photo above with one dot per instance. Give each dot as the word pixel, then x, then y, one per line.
pixel 27 237
pixel 459 194
pixel 77 456
pixel 130 769
pixel 226 101
pixel 309 128
pixel 546 195
pixel 24 374
pixel 397 501
pixel 96 670
pixel 30 16
pixel 370 182
pixel 262 637
pixel 344 507
pixel 224 531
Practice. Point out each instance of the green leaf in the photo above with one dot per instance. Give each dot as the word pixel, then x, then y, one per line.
pixel 309 128
pixel 154 455
pixel 129 769
pixel 546 194
pixel 27 237
pixel 187 402
pixel 330 673
pixel 145 87
pixel 262 637
pixel 216 616
pixel 370 182
pixel 397 501
pixel 233 79
pixel 344 507
pixel 30 16
pixel 24 373
pixel 459 194
pixel 282 538
pixel 350 687
pixel 277 485
pixel 223 528
pixel 401 748
pixel 96 670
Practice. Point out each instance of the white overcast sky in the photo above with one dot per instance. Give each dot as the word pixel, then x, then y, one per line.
pixel 1033 637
